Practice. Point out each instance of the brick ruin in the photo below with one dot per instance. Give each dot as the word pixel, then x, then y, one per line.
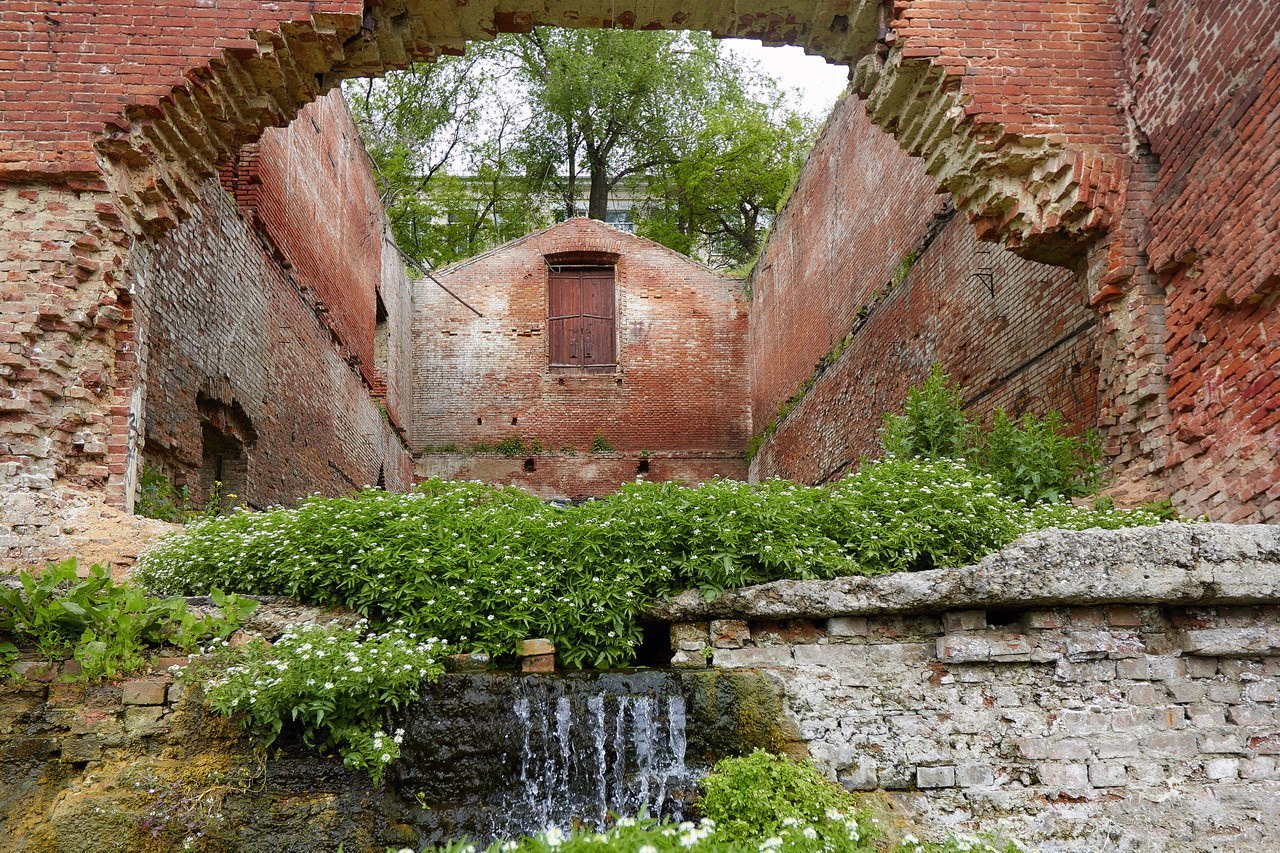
pixel 1114 251
pixel 672 407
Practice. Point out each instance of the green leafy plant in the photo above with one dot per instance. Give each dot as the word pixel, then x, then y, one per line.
pixel 510 446
pixel 600 444
pixel 758 795
pixel 107 627
pixel 486 567
pixel 934 426
pixel 158 497
pixel 1036 460
pixel 333 683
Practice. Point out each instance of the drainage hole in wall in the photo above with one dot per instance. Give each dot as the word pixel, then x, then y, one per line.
pixel 643 467
pixel 515 421
pixel 479 421
pixel 530 465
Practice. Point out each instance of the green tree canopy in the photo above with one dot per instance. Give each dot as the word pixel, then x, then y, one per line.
pixel 476 150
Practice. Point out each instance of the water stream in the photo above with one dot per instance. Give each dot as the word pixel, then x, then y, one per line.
pixel 493 756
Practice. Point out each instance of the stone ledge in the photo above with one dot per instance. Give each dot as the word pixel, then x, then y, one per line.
pixel 1174 563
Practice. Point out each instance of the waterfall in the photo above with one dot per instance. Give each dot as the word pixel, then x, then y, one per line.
pixel 491 756
pixel 586 755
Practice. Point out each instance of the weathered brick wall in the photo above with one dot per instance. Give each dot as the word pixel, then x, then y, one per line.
pixel 859 208
pixel 564 476
pixel 1205 98
pixel 1077 712
pixel 681 382
pixel 231 325
pixel 66 339
pixel 1014 333
pixel 309 187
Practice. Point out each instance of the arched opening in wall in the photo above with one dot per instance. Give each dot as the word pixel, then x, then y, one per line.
pixel 226 436
pixel 381 336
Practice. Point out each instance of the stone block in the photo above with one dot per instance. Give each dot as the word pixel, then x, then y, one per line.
pixel 1262 768
pixel 936 777
pixel 142 720
pixel 538 663
pixel 1064 776
pixel 957 621
pixel 81 748
pixel 1107 774
pixel 1069 749
pixel 1252 641
pixel 847 626
pixel 689 636
pixel 769 656
pixel 788 631
pixel 143 692
pixel 466 662
pixel 1222 768
pixel 1202 667
pixel 860 778
pixel 975 776
pixel 689 660
pixel 729 633
pixel 535 647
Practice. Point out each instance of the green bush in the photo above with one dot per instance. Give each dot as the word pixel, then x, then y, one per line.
pixel 759 795
pixel 935 424
pixel 334 683
pixel 106 626
pixel 912 514
pixel 486 567
pixel 1031 458
pixel 1034 459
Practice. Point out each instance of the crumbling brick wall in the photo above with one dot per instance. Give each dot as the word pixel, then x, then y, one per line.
pixel 1205 101
pixel 232 330
pixel 262 327
pixel 865 246
pixel 681 382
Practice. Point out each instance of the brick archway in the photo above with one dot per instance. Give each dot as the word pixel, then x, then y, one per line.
pixel 1032 149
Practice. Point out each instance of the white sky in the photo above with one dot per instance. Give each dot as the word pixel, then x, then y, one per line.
pixel 816 84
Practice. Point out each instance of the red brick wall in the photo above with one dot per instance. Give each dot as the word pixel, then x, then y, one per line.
pixel 309 187
pixel 561 476
pixel 682 352
pixel 231 324
pixel 1032 345
pixel 1035 68
pixel 859 208
pixel 1206 98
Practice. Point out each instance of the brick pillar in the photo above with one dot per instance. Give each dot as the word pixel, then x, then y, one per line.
pixel 67 353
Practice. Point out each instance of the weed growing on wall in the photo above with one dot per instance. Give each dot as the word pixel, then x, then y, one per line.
pixel 1033 458
pixel 486 567
pixel 334 683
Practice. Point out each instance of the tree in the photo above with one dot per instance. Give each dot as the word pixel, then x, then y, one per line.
pixel 735 170
pixel 476 150
pixel 608 104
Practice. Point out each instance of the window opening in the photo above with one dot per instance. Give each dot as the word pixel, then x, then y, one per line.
pixel 381 338
pixel 581 318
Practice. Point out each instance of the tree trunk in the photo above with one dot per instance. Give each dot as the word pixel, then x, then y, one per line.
pixel 598 203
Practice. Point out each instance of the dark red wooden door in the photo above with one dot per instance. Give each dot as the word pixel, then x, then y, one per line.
pixel 580 318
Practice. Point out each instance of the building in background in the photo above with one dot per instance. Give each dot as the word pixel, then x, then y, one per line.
pixel 576 359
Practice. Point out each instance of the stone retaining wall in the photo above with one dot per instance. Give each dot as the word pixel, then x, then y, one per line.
pixel 1087 691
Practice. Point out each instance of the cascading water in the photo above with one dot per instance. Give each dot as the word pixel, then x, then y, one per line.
pixel 493 755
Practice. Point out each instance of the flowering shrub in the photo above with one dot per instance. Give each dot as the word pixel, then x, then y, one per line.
pixel 335 683
pixel 486 567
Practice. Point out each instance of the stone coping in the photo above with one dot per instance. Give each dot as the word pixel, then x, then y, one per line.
pixel 1173 563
